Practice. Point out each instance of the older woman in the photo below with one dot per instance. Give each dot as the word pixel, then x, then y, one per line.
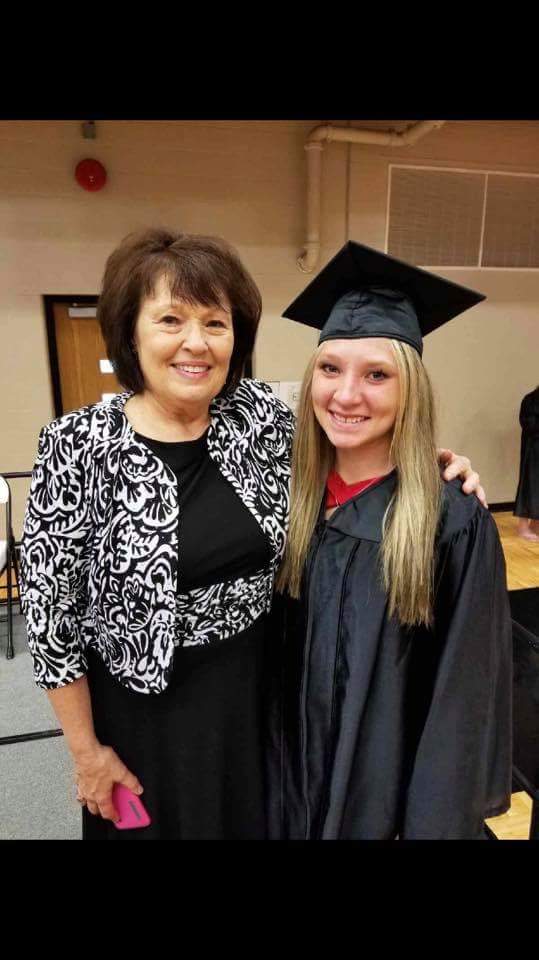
pixel 154 528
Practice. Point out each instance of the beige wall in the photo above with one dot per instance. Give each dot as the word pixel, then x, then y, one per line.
pixel 242 180
pixel 246 181
pixel 483 362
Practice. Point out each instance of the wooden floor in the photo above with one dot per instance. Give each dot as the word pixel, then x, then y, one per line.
pixel 521 556
pixel 515 824
pixel 522 561
pixel 3 585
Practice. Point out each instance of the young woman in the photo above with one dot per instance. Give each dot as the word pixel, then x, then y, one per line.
pixel 396 717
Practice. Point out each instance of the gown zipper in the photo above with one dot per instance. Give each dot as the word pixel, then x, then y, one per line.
pixel 303 707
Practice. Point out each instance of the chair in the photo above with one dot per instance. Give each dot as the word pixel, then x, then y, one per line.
pixel 9 565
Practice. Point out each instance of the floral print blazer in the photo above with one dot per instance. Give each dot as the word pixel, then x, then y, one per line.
pixel 99 554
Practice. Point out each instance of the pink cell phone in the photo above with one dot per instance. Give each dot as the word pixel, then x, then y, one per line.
pixel 133 813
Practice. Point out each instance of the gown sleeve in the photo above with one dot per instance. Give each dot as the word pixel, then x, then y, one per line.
pixel 462 769
pixel 54 559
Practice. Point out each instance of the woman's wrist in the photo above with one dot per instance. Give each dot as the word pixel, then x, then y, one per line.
pixel 83 750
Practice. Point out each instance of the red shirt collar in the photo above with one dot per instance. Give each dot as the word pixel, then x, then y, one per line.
pixel 338 492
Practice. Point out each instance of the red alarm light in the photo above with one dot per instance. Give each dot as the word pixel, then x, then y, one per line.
pixel 90 174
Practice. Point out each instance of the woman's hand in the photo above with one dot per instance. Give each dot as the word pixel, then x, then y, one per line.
pixel 457 466
pixel 96 772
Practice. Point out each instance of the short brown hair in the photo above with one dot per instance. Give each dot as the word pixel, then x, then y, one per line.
pixel 199 269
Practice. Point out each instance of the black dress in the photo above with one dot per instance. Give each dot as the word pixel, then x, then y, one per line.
pixel 527 497
pixel 198 747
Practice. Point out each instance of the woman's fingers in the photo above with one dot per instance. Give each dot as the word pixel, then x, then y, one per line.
pixel 130 781
pixel 481 495
pixel 470 481
pixel 472 484
pixel 456 466
pixel 445 456
pixel 106 807
pixel 95 777
pixel 102 806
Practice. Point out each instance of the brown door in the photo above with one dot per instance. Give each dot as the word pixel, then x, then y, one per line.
pixel 84 371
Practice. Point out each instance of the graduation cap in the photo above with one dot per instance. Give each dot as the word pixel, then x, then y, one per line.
pixel 364 293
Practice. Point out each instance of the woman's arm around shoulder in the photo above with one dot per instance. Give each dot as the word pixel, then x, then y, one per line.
pixel 269 412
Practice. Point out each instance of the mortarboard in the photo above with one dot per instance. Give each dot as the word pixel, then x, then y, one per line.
pixel 364 293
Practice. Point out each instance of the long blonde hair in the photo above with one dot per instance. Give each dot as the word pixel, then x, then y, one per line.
pixel 411 519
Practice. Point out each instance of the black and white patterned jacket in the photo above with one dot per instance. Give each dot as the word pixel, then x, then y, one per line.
pixel 99 554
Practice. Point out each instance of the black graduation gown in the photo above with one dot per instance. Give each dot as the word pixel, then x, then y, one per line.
pixel 381 731
pixel 527 497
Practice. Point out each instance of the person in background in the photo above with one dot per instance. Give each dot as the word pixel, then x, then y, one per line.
pixel 527 496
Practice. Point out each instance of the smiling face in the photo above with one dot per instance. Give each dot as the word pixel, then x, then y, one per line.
pixel 355 395
pixel 184 349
